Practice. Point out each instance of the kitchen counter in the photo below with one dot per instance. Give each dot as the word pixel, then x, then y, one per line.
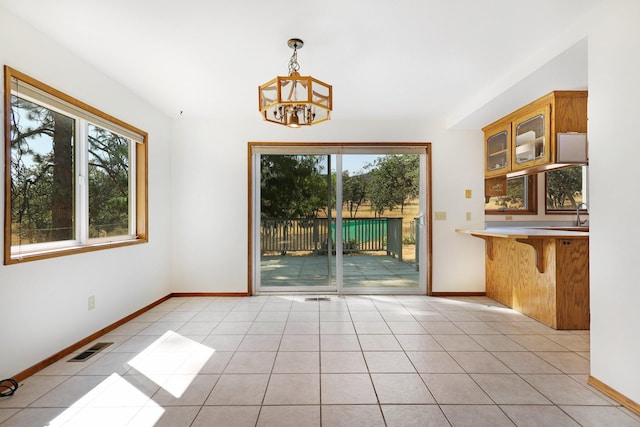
pixel 541 272
pixel 529 232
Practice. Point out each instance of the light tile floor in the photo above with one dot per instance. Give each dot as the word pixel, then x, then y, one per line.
pixel 351 361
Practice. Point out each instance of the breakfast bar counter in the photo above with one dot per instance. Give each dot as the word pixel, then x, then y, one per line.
pixel 541 272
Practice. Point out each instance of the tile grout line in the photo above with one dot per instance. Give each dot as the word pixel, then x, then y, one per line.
pixel 366 364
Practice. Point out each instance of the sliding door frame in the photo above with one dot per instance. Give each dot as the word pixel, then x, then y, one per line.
pixel 253 147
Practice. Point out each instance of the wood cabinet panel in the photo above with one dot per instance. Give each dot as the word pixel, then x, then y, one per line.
pixel 573 284
pixel 535 291
pixel 499 278
pixel 558 296
pixel 570 112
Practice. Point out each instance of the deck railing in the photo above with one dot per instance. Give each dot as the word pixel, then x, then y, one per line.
pixel 284 235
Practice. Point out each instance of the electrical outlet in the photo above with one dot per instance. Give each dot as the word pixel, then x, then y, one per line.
pixel 468 216
pixel 508 218
pixel 91 303
pixel 440 216
pixel 467 194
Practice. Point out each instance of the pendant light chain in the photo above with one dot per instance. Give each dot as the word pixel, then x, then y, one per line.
pixel 293 61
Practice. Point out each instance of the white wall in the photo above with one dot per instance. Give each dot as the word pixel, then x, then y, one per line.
pixel 210 191
pixel 44 303
pixel 614 108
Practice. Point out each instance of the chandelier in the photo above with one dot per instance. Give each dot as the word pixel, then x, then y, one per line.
pixel 295 100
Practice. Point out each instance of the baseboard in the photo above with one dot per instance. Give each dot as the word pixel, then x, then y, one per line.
pixel 209 294
pixel 458 294
pixel 615 395
pixel 73 347
pixel 67 351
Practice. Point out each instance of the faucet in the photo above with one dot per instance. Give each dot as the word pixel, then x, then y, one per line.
pixel 578 222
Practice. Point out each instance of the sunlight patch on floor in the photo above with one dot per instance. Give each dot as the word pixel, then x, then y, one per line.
pixel 112 402
pixel 172 362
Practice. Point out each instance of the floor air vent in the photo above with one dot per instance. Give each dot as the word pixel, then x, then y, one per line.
pixel 90 352
pixel 317 299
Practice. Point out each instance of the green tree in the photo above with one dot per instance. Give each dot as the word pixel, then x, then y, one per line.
pixel 515 198
pixel 564 185
pixel 42 183
pixel 394 180
pixel 62 191
pixel 108 183
pixel 292 186
pixel 354 191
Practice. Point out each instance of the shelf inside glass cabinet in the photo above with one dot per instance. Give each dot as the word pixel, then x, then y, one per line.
pixel 497 151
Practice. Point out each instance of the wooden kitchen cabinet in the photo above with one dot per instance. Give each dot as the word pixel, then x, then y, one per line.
pixel 532 137
pixel 529 134
pixel 542 274
pixel 498 149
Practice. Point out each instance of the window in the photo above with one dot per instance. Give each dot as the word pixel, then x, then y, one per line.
pixel 520 198
pixel 566 188
pixel 75 178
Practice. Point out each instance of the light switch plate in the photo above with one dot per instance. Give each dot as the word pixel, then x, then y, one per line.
pixel 440 216
pixel 467 194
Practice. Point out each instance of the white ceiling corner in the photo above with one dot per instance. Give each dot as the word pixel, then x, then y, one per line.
pixel 458 60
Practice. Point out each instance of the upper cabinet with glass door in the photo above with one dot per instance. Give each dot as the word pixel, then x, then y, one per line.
pixel 532 139
pixel 497 148
pixel 531 133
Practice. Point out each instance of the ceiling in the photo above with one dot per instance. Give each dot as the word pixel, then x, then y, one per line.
pixel 463 61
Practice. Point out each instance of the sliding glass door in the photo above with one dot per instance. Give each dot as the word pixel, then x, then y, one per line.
pixel 382 219
pixel 339 218
pixel 295 240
